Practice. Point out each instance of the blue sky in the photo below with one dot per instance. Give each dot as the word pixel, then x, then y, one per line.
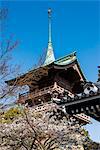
pixel 75 27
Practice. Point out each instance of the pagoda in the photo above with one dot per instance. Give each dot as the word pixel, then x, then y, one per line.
pixel 52 78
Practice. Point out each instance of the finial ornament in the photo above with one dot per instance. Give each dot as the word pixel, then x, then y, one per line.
pixel 49 12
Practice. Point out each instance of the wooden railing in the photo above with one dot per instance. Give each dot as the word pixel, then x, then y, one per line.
pixel 83 117
pixel 38 93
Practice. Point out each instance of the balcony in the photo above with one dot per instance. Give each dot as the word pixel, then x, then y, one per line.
pixel 39 93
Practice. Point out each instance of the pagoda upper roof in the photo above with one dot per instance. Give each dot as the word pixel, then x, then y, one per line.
pixel 36 73
pixel 68 59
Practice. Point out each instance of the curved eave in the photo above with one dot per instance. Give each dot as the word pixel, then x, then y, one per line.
pixel 78 65
pixel 31 76
pixel 66 60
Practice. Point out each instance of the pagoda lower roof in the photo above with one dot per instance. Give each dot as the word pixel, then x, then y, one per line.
pixel 37 73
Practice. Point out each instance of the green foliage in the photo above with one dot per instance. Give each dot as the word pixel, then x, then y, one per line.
pixel 10 115
pixel 86 133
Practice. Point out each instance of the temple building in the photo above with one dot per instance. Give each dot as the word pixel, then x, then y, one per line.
pixel 51 78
